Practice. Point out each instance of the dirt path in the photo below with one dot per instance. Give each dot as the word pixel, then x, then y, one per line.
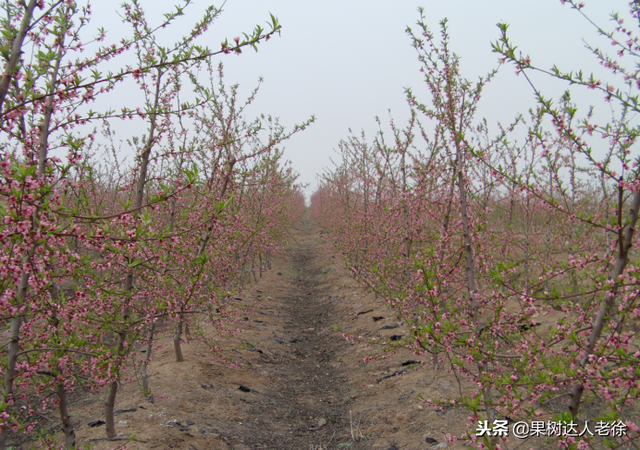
pixel 302 410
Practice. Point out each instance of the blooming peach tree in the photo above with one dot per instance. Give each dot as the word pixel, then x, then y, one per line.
pixel 510 258
pixel 89 244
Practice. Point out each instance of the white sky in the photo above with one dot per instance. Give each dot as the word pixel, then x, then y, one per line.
pixel 349 61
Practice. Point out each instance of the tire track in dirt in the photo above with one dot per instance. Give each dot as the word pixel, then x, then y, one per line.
pixel 303 409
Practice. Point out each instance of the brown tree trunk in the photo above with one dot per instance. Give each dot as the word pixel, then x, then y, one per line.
pixel 468 245
pixel 16 51
pixel 177 336
pixel 67 427
pixel 112 390
pixel 204 241
pixel 625 242
pixel 128 288
pixel 146 360
pixel 16 323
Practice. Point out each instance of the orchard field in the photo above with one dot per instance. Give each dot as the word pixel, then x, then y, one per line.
pixel 449 285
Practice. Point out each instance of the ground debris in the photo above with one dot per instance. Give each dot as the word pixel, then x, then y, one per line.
pixel 244 388
pixel 396 373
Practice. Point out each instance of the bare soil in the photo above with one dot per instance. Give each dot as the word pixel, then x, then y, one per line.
pixel 301 384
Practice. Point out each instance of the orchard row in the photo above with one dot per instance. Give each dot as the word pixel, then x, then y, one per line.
pixel 510 257
pixel 98 256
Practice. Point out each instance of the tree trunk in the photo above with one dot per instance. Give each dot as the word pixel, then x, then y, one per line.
pixel 468 246
pixel 253 270
pixel 16 323
pixel 176 340
pixel 128 289
pixel 16 51
pixel 67 427
pixel 12 355
pixel 110 401
pixel 146 360
pixel 625 242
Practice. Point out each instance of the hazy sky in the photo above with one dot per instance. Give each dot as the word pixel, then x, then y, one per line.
pixel 349 61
